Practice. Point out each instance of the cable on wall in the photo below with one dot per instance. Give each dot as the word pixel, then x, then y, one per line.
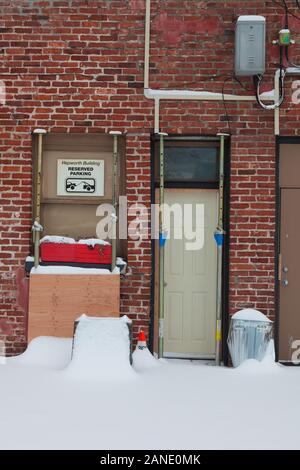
pixel 283 5
pixel 257 79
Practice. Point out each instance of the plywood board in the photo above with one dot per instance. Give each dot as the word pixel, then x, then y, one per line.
pixel 55 301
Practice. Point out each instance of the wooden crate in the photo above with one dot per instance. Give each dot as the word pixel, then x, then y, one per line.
pixel 56 300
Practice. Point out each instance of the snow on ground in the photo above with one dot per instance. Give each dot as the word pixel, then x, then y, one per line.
pixel 176 405
pixel 143 360
pixel 46 351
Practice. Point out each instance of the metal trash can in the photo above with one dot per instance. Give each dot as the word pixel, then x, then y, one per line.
pixel 249 335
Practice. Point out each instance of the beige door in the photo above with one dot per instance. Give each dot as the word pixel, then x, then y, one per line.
pixel 190 282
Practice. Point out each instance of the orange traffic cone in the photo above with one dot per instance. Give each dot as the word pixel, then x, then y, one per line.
pixel 141 340
pixel 142 357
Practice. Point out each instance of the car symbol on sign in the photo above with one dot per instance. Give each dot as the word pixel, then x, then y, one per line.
pixel 78 185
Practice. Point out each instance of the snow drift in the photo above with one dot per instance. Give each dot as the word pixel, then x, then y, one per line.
pixel 143 360
pixel 101 349
pixel 45 351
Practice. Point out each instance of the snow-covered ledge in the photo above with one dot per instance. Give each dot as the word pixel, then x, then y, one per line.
pixel 70 270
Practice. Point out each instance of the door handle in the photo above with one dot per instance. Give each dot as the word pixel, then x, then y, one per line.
pixel 285 283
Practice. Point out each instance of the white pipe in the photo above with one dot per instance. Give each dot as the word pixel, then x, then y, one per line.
pixel 194 95
pixel 147 44
pixel 276 100
pixel 157 95
pixel 292 70
pixel 156 115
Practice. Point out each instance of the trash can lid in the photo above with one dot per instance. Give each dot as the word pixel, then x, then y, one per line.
pixel 251 314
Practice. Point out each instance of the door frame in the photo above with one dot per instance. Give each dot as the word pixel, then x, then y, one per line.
pixel 226 221
pixel 279 141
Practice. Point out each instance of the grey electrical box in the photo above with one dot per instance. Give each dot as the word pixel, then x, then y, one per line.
pixel 250 45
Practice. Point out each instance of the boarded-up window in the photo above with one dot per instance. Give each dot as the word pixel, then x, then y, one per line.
pixel 72 212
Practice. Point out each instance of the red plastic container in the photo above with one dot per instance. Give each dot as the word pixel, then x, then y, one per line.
pixel 93 254
pixel 59 252
pixel 76 253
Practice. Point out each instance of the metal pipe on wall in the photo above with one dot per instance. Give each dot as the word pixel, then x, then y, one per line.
pixel 162 239
pixel 219 237
pixel 115 135
pixel 147 44
pixel 37 228
pixel 182 95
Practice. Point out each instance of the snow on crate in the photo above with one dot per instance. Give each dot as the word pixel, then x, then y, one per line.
pixel 101 350
pixel 57 239
pixel 93 242
pixel 69 270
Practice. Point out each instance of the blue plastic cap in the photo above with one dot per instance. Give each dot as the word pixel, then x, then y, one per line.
pixel 219 237
pixel 162 239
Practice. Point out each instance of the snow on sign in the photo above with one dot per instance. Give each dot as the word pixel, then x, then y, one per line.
pixel 80 178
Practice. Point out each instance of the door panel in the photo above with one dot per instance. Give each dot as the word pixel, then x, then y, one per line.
pixel 176 258
pixel 175 303
pixel 190 277
pixel 198 316
pixel 289 166
pixel 289 321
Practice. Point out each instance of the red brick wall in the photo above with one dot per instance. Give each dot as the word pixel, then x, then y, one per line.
pixel 77 66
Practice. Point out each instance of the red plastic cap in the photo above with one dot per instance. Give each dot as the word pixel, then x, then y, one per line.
pixel 142 336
